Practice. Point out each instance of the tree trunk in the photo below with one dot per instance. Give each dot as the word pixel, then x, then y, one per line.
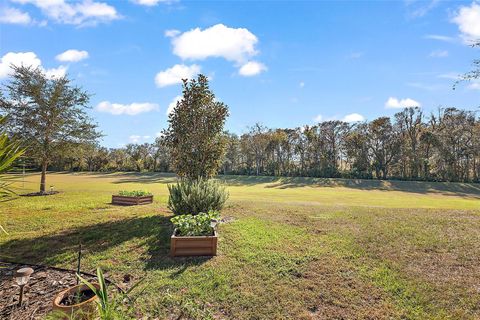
pixel 385 173
pixel 43 176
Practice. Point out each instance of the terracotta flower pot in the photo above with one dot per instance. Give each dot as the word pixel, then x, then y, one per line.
pixel 84 309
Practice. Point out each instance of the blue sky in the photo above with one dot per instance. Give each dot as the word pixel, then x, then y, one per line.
pixel 280 63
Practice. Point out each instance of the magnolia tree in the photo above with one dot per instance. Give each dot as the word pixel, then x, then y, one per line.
pixel 195 135
pixel 47 114
pixel 196 142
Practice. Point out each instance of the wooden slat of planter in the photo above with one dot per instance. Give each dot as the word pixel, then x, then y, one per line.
pixel 194 252
pixel 193 246
pixel 130 201
pixel 187 243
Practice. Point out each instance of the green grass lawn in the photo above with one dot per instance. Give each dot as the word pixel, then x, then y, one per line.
pixel 297 248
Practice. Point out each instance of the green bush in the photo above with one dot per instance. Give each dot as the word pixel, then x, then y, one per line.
pixel 134 193
pixel 201 224
pixel 193 197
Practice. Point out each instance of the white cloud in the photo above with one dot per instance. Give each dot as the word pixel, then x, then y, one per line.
pixel 173 104
pixel 233 44
pixel 219 41
pixel 439 54
pixel 440 38
pixel 394 103
pixel 172 33
pixel 17 59
pixel 353 117
pixel 421 8
pixel 468 21
pixel 175 74
pixel 252 68
pixel 128 109
pixel 148 3
pixel 301 84
pixel 14 16
pixel 450 75
pixel 151 3
pixel 86 12
pixel 135 138
pixel 27 59
pixel 56 72
pixel 474 85
pixel 355 55
pixel 72 55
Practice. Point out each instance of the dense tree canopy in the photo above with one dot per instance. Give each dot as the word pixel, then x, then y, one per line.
pixel 48 114
pixel 195 134
pixel 444 146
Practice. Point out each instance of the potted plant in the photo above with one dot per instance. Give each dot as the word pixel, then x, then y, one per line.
pixel 78 300
pixel 194 235
pixel 131 198
pixel 107 305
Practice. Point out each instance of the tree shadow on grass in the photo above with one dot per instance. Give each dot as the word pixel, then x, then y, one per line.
pixel 61 248
pixel 125 177
pixel 471 190
pixel 139 177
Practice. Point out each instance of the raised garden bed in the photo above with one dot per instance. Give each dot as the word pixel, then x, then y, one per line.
pixel 181 246
pixel 131 200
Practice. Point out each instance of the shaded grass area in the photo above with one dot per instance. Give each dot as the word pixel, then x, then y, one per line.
pixel 312 251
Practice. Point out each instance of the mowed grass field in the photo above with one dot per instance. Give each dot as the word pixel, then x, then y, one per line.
pixel 295 248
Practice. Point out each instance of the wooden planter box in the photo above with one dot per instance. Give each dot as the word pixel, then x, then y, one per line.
pixel 131 201
pixel 193 246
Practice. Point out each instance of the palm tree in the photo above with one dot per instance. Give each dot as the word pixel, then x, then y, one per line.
pixel 10 150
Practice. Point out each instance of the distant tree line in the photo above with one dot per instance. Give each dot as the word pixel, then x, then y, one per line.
pixel 443 146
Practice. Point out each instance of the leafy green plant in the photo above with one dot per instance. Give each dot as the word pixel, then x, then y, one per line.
pixel 108 308
pixel 202 224
pixel 195 196
pixel 10 150
pixel 134 193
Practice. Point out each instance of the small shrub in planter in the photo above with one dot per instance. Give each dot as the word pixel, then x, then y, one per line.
pixel 195 196
pixel 134 193
pixel 135 197
pixel 194 235
pixel 202 224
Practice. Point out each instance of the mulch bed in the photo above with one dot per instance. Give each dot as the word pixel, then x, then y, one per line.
pixel 38 296
pixel 36 194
